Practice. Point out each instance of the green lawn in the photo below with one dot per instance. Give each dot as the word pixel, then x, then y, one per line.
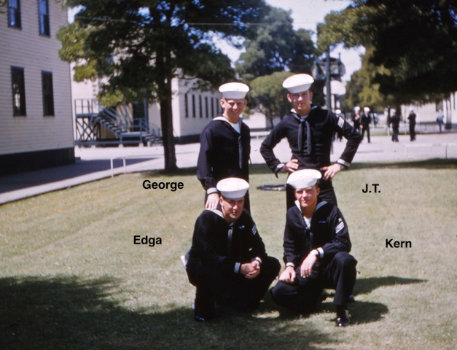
pixel 71 277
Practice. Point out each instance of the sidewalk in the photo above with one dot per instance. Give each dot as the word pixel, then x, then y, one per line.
pixel 95 163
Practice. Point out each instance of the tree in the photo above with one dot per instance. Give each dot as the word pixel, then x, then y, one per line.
pixel 268 96
pixel 138 46
pixel 276 47
pixel 363 91
pixel 414 44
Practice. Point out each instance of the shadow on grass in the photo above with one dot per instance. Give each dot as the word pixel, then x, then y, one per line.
pixel 70 313
pixel 253 169
pixel 366 312
pixel 366 285
pixel 424 164
pixel 363 311
pixel 263 168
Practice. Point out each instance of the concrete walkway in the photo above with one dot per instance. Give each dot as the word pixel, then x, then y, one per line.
pixel 95 163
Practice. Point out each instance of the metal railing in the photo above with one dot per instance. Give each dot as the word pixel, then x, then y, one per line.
pixel 86 106
pixel 90 116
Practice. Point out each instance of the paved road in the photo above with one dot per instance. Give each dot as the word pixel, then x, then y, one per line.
pixel 95 163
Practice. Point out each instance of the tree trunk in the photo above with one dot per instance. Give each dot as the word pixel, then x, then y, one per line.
pixel 166 113
pixel 269 119
pixel 166 118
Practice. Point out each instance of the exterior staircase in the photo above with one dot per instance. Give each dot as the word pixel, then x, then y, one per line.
pixel 109 119
pixel 121 125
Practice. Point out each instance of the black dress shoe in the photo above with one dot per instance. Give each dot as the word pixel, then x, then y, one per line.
pixel 204 316
pixel 200 318
pixel 342 319
pixel 203 311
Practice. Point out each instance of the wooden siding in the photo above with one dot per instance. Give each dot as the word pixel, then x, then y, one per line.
pixel 26 48
pixel 183 126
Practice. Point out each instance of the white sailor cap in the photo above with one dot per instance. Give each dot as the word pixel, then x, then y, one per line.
pixel 232 187
pixel 298 83
pixel 303 178
pixel 366 109
pixel 234 90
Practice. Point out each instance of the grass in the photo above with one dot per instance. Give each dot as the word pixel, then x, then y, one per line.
pixel 71 277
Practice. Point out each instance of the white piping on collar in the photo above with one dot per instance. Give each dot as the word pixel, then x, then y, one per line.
pixel 303 116
pixel 318 206
pixel 240 119
pixel 217 212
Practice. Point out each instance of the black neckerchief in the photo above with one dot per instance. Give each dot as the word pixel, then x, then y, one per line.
pixel 303 122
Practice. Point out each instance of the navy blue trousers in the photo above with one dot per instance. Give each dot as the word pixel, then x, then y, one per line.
pixel 304 294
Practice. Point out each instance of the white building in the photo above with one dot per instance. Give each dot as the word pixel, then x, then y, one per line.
pixel 192 109
pixel 36 128
pixel 426 113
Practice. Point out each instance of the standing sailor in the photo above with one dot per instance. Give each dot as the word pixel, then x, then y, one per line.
pixel 225 144
pixel 309 131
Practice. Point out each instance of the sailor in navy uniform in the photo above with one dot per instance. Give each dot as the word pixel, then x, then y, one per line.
pixel 227 261
pixel 316 251
pixel 366 120
pixel 309 131
pixel 225 144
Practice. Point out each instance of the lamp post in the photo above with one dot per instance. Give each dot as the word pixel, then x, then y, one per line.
pixel 331 70
pixel 328 95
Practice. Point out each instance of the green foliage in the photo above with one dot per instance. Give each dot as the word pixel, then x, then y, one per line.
pixel 342 27
pixel 304 52
pixel 414 43
pixel 267 95
pixel 138 46
pixel 362 90
pixel 418 45
pixel 276 47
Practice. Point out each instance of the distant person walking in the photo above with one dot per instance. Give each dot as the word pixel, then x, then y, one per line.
pixel 366 120
pixel 440 119
pixel 395 121
pixel 375 118
pixel 356 118
pixel 412 125
pixel 342 115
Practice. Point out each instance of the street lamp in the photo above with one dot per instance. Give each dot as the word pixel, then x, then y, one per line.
pixel 331 70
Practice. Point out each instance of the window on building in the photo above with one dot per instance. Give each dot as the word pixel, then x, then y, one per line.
pixel 212 107
pixel 18 91
pixel 48 95
pixel 186 107
pixel 43 12
pixel 14 13
pixel 218 108
pixel 206 107
pixel 200 105
pixel 193 106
